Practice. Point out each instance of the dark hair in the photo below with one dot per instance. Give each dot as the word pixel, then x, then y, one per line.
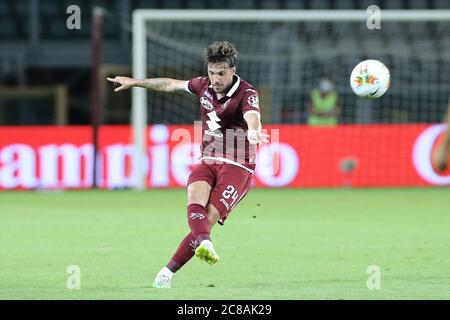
pixel 221 51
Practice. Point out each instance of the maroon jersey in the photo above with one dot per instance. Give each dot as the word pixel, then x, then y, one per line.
pixel 224 130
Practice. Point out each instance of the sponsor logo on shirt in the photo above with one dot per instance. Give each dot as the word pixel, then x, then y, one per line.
pixel 217 134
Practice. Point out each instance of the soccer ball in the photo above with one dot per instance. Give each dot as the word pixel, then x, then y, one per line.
pixel 370 79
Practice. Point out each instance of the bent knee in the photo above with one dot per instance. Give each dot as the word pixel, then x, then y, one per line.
pixel 198 192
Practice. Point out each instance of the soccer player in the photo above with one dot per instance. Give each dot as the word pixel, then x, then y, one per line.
pixel 442 153
pixel 231 129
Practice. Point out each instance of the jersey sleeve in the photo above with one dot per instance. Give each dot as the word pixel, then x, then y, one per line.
pixel 250 101
pixel 193 86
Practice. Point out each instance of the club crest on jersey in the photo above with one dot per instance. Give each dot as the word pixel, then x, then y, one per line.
pixel 206 104
pixel 253 101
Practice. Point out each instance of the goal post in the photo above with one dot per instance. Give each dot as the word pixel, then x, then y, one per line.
pixel 139 96
pixel 251 34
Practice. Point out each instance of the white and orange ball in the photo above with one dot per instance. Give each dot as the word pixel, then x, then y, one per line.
pixel 370 79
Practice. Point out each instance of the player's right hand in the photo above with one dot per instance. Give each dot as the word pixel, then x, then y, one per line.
pixel 257 137
pixel 124 82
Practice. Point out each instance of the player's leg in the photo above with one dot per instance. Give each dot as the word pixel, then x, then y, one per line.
pixel 205 251
pixel 184 252
pixel 199 187
pixel 198 196
pixel 200 220
pixel 197 193
pixel 232 186
pixel 213 214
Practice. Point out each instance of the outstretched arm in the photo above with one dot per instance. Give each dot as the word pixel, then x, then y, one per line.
pixel 443 150
pixel 158 84
pixel 254 135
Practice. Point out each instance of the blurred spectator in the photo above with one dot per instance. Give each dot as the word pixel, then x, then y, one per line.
pixel 323 104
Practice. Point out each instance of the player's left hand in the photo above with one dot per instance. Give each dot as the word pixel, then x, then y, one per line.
pixel 257 137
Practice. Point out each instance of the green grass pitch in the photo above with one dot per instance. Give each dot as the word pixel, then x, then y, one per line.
pixel 277 244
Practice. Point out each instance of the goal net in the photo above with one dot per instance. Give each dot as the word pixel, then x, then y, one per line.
pixel 285 54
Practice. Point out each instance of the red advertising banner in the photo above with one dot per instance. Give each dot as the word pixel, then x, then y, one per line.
pixel 298 156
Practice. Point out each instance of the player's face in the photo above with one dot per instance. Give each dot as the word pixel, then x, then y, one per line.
pixel 221 76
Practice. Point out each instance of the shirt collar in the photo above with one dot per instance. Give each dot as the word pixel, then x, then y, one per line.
pixel 233 88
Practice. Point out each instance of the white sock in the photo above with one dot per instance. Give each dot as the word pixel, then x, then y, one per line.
pixel 206 242
pixel 166 271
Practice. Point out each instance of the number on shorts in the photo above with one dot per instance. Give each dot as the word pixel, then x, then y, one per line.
pixel 230 192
